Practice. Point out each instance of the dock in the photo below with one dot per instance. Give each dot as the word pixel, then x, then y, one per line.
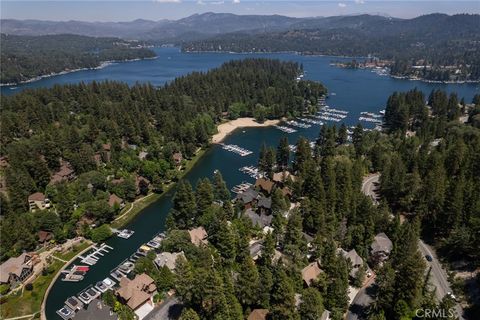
pixel 97 253
pixel 236 149
pixel 285 129
pixel 239 188
pixel 252 172
pixel 299 124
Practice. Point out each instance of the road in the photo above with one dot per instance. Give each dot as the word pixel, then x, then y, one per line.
pixel 438 275
pixel 361 301
pixel 369 186
pixel 169 309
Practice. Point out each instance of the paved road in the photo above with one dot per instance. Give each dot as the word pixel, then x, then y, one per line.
pixel 438 275
pixel 169 309
pixel 369 186
pixel 361 301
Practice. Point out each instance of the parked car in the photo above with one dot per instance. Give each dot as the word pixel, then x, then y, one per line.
pixel 429 258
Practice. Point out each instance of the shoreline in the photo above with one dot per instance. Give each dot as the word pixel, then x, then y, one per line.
pixel 226 128
pixel 102 65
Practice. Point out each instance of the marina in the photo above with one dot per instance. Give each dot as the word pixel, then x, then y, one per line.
pixel 285 129
pixel 97 253
pixel 75 274
pixel 298 124
pixel 236 149
pixel 311 121
pixel 252 171
pixel 239 188
pixel 125 233
pixel 373 120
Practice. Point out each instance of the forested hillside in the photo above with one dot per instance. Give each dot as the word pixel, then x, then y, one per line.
pixel 79 144
pixel 27 57
pixel 317 240
pixel 440 43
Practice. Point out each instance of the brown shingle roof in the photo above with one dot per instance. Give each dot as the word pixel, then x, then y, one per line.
pixel 311 272
pixel 258 314
pixel 137 291
pixel 44 236
pixel 198 236
pixel 37 196
pixel 14 265
pixel 264 184
pixel 114 199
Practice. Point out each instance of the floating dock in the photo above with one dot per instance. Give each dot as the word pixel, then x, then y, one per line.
pixel 125 233
pixel 236 149
pixel 239 188
pixel 97 253
pixel 285 129
pixel 252 172
pixel 75 274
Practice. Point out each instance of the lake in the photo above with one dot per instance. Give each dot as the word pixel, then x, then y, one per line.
pixel 351 90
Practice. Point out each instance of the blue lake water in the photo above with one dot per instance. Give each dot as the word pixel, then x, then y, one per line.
pixel 351 90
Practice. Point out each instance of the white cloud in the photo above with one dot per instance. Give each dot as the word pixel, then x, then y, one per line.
pixel 236 1
pixel 200 2
pixel 342 5
pixel 359 1
pixel 216 2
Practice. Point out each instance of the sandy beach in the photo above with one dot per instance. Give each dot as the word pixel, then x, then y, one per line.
pixel 226 128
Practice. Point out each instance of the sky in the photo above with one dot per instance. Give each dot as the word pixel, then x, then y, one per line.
pixel 118 10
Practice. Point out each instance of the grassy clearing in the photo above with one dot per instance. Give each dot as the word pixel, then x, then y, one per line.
pixel 26 302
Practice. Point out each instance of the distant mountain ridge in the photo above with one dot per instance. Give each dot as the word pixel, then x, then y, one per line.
pixel 194 27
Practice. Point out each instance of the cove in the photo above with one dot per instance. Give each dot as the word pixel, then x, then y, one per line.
pixel 354 91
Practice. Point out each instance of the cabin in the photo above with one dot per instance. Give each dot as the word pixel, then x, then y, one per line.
pixel 265 185
pixel 114 199
pixel 142 155
pixel 106 152
pixel 168 259
pixel 198 236
pixel 258 314
pixel 248 197
pixel 38 200
pixel 264 205
pixel 44 236
pixel 355 261
pixel 142 185
pixel 64 173
pixel 283 177
pixel 177 158
pixel 258 220
pixel 17 269
pixel 138 294
pixel 310 273
pixel 381 248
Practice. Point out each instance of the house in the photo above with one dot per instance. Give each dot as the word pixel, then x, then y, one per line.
pixel 142 155
pixel 106 152
pixel 97 157
pixel 44 236
pixel 64 173
pixel 96 309
pixel 142 185
pixel 168 259
pixel 138 294
pixel 311 272
pixel 3 162
pixel 16 270
pixel 264 184
pixel 260 220
pixel 282 177
pixel 198 236
pixel 286 192
pixel 355 260
pixel 177 158
pixel 258 314
pixel 325 315
pixel 381 247
pixel 265 204
pixel 248 197
pixel 37 200
pixel 114 199
pixel 255 248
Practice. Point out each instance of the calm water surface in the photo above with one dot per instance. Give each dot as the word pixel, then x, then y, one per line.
pixel 354 90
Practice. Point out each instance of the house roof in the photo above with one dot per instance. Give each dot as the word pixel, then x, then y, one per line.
pixel 381 243
pixel 311 272
pixel 177 156
pixel 265 202
pixel 248 195
pixel 44 236
pixel 63 173
pixel 260 220
pixel 258 314
pixel 264 184
pixel 255 248
pixel 114 199
pixel 137 291
pixel 37 196
pixel 94 311
pixel 283 176
pixel 353 256
pixel 14 265
pixel 168 259
pixel 325 315
pixel 106 146
pixel 198 236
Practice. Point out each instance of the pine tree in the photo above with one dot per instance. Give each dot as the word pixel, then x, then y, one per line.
pixel 283 298
pixel 204 195
pixel 311 307
pixel 248 283
pixel 189 314
pixel 283 153
pixel 184 205
pixel 220 189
